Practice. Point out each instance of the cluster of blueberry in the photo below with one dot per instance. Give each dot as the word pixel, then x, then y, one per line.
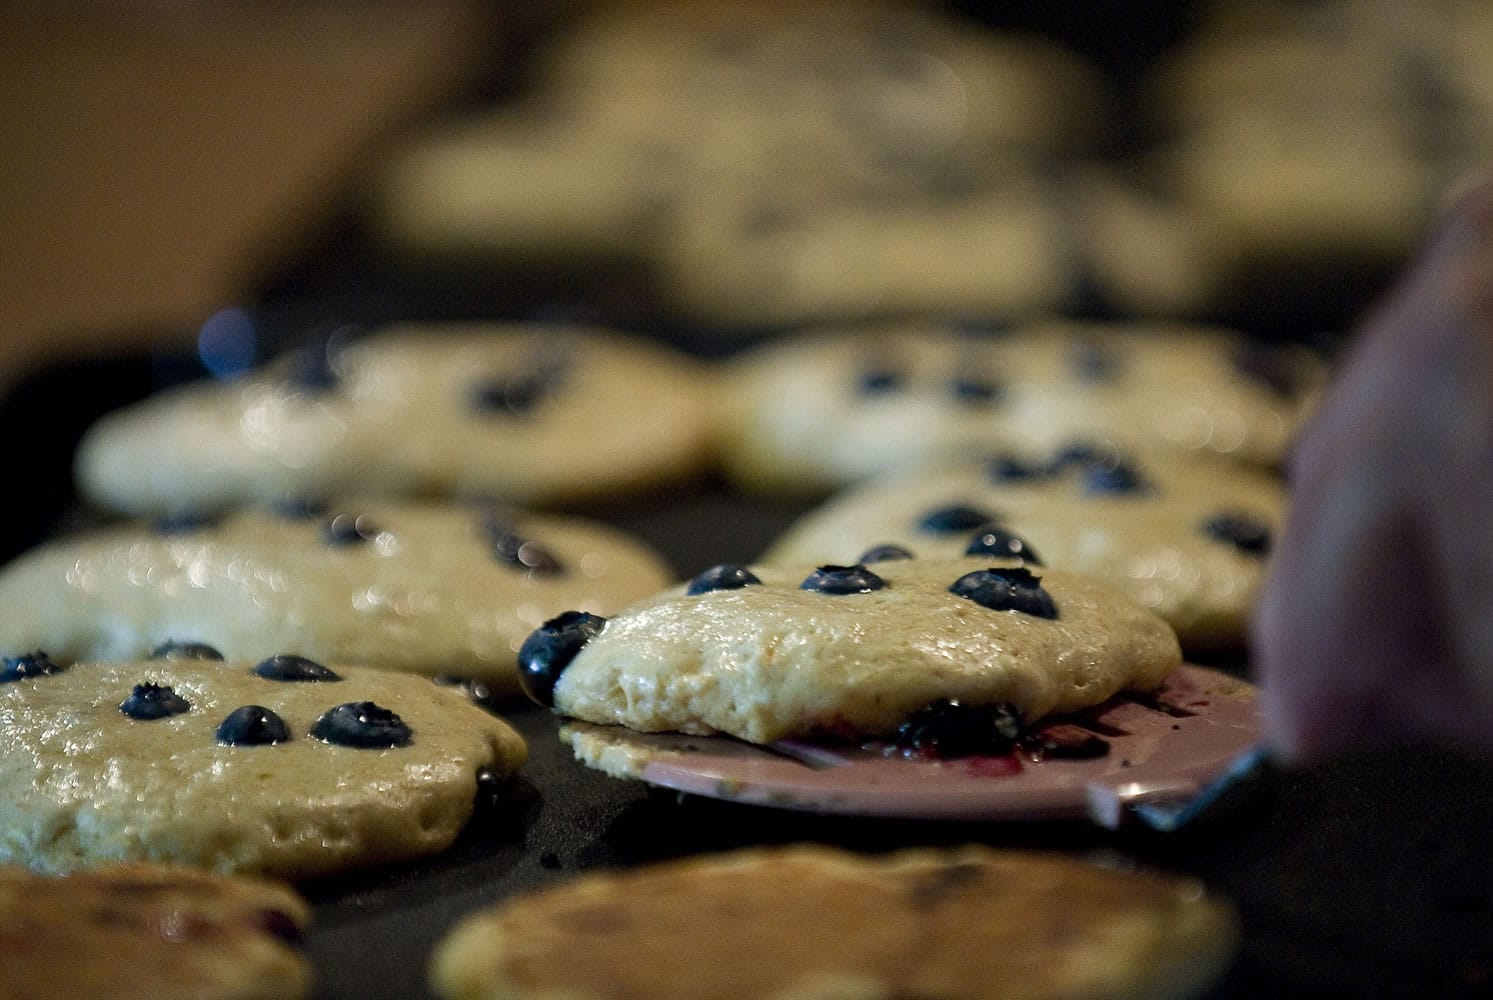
pixel 949 729
pixel 353 724
pixel 516 394
pixel 34 664
pixel 508 546
pixel 1102 474
pixel 513 549
pixel 550 648
pixel 361 724
pixel 965 387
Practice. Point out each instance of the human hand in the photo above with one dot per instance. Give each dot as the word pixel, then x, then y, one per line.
pixel 1376 622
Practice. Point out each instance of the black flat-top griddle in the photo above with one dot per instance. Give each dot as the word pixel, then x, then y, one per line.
pixel 1368 877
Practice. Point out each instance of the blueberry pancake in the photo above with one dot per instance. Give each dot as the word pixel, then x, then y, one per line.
pixel 781 252
pixel 538 182
pixel 1202 390
pixel 529 413
pixel 841 404
pixel 1002 235
pixel 849 651
pixel 430 588
pixel 1267 111
pixel 1188 538
pixel 903 81
pixel 151 932
pixel 830 406
pixel 634 112
pixel 812 922
pixel 286 767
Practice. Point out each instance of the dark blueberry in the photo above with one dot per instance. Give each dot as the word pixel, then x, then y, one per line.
pixel 1244 531
pixel 514 395
pixel 722 576
pixel 1006 589
pixel 173 649
pixel 183 522
pixel 33 664
pixel 883 553
pixel 299 508
pixel 282 927
pixel 290 667
pixel 1010 469
pixel 252 725
pixel 482 694
pixel 549 649
pixel 972 389
pixel 153 701
pixel 994 541
pixel 842 580
pixel 1270 366
pixel 313 367
pixel 361 724
pixel 496 521
pixel 1101 479
pixel 1083 454
pixel 349 529
pixel 875 381
pixel 494 789
pixel 947 728
pixel 955 519
pixel 515 550
pixel 1092 362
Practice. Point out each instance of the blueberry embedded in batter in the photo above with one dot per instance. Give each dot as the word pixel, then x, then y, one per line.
pixel 955 518
pixel 841 580
pixel 150 701
pixel 1012 588
pixel 361 724
pixel 997 541
pixel 33 664
pixel 549 649
pixel 290 667
pixel 722 576
pixel 175 649
pixel 252 725
pixel 1244 531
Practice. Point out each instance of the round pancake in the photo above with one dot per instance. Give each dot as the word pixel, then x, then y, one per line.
pixel 151 932
pixel 825 407
pixel 419 587
pixel 101 764
pixel 1187 538
pixel 769 660
pixel 834 406
pixel 812 922
pixel 524 412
